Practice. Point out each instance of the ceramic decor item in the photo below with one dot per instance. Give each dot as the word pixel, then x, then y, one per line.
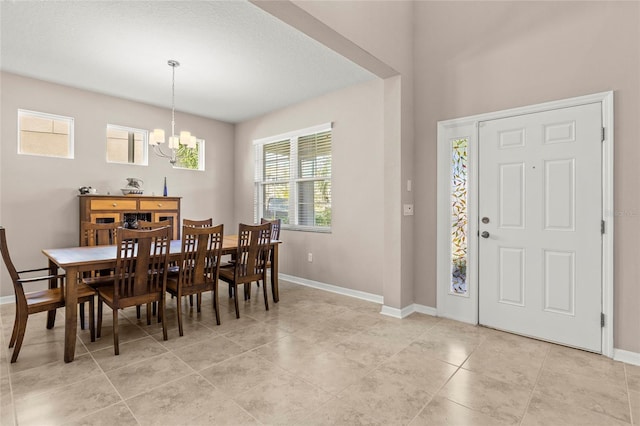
pixel 134 186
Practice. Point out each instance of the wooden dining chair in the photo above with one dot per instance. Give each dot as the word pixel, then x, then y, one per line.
pixel 275 227
pixel 142 257
pixel 250 259
pixel 199 267
pixel 97 234
pixel 172 270
pixel 28 303
pixel 197 223
pixel 275 235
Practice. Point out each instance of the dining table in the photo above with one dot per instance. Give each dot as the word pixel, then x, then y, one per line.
pixel 76 260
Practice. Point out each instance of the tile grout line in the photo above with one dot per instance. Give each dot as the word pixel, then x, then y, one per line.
pixel 458 368
pixel 533 389
pixel 104 373
pixel 626 382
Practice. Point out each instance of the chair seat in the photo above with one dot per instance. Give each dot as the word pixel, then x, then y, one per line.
pixel 226 273
pixel 45 300
pixel 99 281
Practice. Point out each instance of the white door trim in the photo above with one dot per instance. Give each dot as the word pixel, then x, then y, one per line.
pixel 465 308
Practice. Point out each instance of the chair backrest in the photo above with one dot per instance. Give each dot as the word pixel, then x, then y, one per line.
pixel 146 225
pixel 9 264
pixel 253 251
pixel 99 234
pixel 275 227
pixel 140 264
pixel 201 251
pixel 197 223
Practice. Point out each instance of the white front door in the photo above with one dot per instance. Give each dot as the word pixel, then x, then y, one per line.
pixel 540 204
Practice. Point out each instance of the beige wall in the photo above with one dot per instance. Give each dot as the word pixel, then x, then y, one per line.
pixel 38 195
pixel 384 29
pixel 476 57
pixel 351 255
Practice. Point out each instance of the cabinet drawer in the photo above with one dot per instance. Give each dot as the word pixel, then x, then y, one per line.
pixel 158 205
pixel 112 204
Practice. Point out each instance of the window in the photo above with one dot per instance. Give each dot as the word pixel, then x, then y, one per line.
pixel 293 179
pixel 126 145
pixel 190 158
pixel 459 162
pixel 45 134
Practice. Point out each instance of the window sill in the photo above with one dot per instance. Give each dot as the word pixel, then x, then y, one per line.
pixel 306 229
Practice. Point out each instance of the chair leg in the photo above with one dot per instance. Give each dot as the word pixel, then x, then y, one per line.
pixel 216 306
pixel 235 300
pixel 99 327
pixel 149 313
pixel 138 311
pixel 153 308
pixel 264 290
pixel 191 300
pixel 274 293
pixel 179 311
pixel 22 326
pixel 14 333
pixel 92 324
pixel 161 314
pixel 116 342
pixel 51 318
pixel 81 316
pixel 198 302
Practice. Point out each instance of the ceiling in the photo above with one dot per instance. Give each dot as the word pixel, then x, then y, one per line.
pixel 237 61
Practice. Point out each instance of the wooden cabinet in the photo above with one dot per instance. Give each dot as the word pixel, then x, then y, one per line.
pixel 129 209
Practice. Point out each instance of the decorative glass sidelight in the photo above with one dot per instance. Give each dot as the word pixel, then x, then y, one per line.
pixel 459 167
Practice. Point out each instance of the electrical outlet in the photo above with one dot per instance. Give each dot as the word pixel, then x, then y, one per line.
pixel 310 257
pixel 408 209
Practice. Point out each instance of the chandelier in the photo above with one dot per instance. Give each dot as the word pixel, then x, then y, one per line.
pixel 156 137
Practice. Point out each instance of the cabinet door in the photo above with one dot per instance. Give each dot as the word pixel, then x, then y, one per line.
pixel 173 218
pixel 105 217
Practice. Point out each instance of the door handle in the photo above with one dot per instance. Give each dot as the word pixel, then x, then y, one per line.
pixel 484 234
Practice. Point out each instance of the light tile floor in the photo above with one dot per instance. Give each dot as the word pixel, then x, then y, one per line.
pixel 315 358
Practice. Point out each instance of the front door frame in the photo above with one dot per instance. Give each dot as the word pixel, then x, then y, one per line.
pixel 465 307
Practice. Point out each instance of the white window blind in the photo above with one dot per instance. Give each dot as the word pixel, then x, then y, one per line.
pixel 293 179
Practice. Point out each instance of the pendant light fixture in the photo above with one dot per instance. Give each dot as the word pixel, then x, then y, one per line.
pixel 156 136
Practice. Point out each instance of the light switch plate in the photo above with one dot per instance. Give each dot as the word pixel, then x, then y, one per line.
pixel 408 209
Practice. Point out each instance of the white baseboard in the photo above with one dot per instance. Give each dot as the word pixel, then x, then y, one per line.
pixel 408 310
pixel 369 297
pixel 626 356
pixel 7 299
pixel 386 310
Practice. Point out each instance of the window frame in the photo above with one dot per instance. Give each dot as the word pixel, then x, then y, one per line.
pixel 45 115
pixel 293 180
pixel 201 164
pixel 145 144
